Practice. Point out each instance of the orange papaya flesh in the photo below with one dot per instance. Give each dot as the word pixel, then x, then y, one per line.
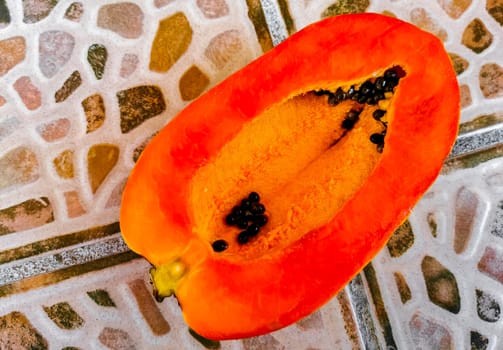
pixel 337 169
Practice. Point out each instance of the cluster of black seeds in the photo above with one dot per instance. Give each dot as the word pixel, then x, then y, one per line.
pixel 369 92
pixel 249 216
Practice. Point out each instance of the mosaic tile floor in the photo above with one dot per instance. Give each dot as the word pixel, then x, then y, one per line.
pixel 85 85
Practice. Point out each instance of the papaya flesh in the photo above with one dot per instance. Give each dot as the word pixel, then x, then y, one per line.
pixel 266 195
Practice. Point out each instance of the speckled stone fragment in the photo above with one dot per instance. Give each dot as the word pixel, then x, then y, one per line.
pixel 94 108
pixel 465 96
pixel 36 10
pixel 63 164
pixel 491 263
pixel 139 104
pixel 467 203
pixel 69 86
pixel 205 342
pixel 74 207
pixel 441 285
pixel 28 92
pixel 224 48
pixel 19 166
pixel 55 49
pixel 54 130
pixel 12 51
pixel 129 64
pixel 114 338
pixel 148 308
pixel 213 8
pixel 123 18
pixel 101 159
pixel 116 196
pixel 192 83
pixel 162 3
pixel 488 308
pixel 401 240
pixel 495 9
pixel 346 6
pixel 313 321
pixel 478 341
pixel 4 14
pixel 491 80
pixel 74 11
pixel 458 62
pixel 97 57
pixel 262 342
pixel 403 287
pixel 429 334
pixel 8 126
pixel 2 101
pixel 422 19
pixel 64 316
pixel 172 39
pixel 26 215
pixel 476 36
pixel 454 8
pixel 101 298
pixel 17 332
pixel 139 149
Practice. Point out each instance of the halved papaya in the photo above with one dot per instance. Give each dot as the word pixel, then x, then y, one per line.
pixel 266 195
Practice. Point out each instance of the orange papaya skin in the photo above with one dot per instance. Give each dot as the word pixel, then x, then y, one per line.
pixel 226 299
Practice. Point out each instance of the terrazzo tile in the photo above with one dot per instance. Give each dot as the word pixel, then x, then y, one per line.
pixel 97 55
pixel 17 332
pixel 26 215
pixel 213 8
pixel 55 49
pixel 346 6
pixel 138 104
pixel 36 10
pixel 171 41
pixel 488 308
pixel 94 109
pixel 101 159
pixel 476 36
pixel 13 52
pixel 192 83
pixel 74 11
pixel 123 18
pixel 403 287
pixel 8 126
pixel 28 92
pixel 454 8
pixel 116 196
pixel 495 9
pixel 19 166
pixel 491 80
pixel 459 63
pixel 69 86
pixel 429 334
pixel 101 297
pixel 224 48
pixel 129 64
pixel 467 204
pixel 4 14
pixel 64 164
pixel 116 339
pixel 441 285
pixel 64 316
pixel 491 263
pixel 54 130
pixel 401 240
pixel 257 17
pixel 148 308
pixel 421 18
pixel 74 207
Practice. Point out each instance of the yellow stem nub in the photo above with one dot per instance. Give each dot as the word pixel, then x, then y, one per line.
pixel 166 277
